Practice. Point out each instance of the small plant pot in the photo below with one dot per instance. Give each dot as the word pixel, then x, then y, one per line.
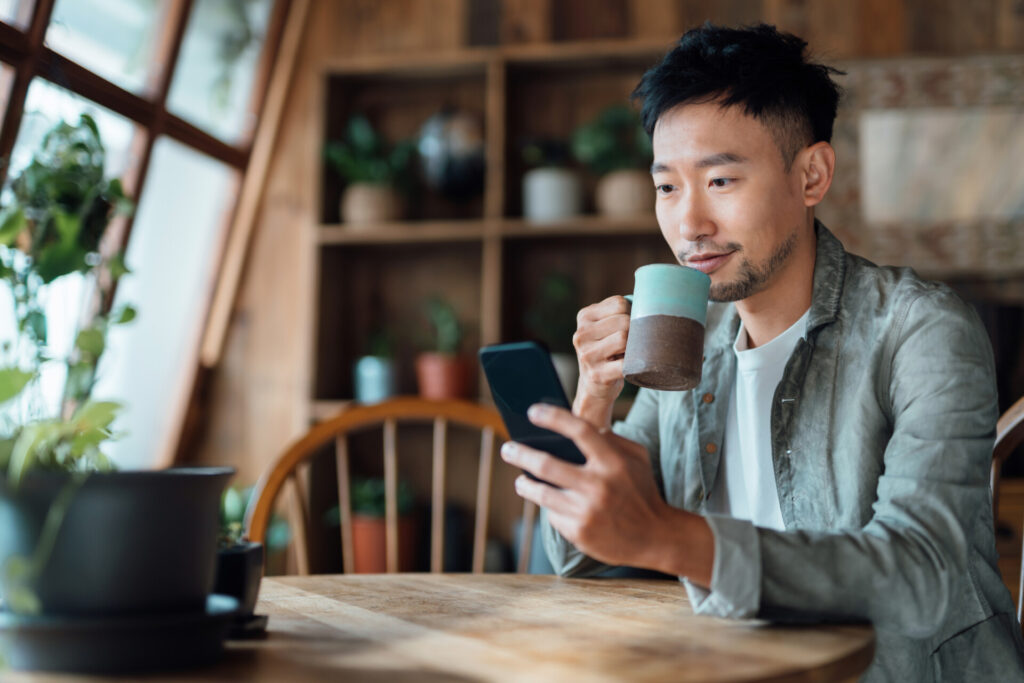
pixel 365 204
pixel 625 193
pixel 443 375
pixel 551 194
pixel 369 544
pixel 239 572
pixel 374 379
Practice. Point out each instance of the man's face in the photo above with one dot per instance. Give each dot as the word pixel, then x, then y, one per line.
pixel 726 203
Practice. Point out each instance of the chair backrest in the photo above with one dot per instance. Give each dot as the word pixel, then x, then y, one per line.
pixel 388 414
pixel 1009 435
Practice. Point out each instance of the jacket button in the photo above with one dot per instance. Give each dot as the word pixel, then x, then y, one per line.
pixel 700 495
pixel 709 397
pixel 711 448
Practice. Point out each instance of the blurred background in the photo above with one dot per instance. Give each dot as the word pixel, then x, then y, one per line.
pixel 339 200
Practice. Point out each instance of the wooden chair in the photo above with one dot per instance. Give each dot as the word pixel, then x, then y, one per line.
pixel 388 414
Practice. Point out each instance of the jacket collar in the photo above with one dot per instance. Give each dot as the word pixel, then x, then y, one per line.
pixel 827 289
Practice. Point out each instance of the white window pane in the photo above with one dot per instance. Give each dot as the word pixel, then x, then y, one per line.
pixel 47 104
pixel 172 252
pixel 112 38
pixel 16 12
pixel 216 68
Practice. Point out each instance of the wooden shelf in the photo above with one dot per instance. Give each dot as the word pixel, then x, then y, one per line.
pixel 404 232
pixel 581 225
pixel 461 231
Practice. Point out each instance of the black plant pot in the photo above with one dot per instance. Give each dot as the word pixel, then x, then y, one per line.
pixel 139 542
pixel 239 571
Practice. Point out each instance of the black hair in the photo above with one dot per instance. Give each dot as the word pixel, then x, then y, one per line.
pixel 765 71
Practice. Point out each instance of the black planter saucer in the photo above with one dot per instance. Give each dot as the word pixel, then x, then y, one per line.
pixel 117 645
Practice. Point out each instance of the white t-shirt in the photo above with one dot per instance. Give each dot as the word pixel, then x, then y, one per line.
pixel 745 486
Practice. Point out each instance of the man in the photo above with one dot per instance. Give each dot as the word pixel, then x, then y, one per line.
pixel 833 462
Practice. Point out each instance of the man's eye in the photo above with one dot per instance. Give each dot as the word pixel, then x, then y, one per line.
pixel 721 182
pixel 664 188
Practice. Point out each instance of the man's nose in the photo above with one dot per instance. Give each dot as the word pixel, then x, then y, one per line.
pixel 692 219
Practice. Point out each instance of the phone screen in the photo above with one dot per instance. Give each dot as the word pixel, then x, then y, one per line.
pixel 521 374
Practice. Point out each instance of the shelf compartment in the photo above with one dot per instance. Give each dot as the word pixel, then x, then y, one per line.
pixel 364 288
pixel 409 232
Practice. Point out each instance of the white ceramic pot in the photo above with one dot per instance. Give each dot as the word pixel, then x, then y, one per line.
pixel 625 193
pixel 365 204
pixel 551 194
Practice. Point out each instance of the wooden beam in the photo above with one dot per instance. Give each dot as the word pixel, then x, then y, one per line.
pixel 251 194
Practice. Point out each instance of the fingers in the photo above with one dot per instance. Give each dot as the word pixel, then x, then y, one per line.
pixel 540 464
pixel 553 500
pixel 611 306
pixel 590 441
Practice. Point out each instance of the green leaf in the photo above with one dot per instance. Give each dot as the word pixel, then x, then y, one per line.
pixel 17 569
pixel 12 381
pixel 11 225
pixel 118 266
pixel 79 381
pixel 6 448
pixel 123 315
pixel 68 226
pixel 60 259
pixel 35 321
pixel 32 440
pixel 90 341
pixel 22 600
pixel 95 415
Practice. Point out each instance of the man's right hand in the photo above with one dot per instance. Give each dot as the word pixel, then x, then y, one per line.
pixel 600 342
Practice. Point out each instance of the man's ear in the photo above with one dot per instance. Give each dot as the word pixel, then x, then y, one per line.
pixel 817 163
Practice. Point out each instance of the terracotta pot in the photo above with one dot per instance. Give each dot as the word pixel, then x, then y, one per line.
pixel 369 544
pixel 625 193
pixel 365 204
pixel 443 375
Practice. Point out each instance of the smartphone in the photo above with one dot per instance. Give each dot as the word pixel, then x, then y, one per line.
pixel 521 374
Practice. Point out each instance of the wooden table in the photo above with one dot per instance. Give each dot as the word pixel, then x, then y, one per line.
pixel 462 627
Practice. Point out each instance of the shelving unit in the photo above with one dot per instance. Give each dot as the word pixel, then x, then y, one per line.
pixel 480 255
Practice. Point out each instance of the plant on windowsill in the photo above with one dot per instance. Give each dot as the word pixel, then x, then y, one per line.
pixel 368 526
pixel 442 371
pixel 57 488
pixel 618 150
pixel 376 173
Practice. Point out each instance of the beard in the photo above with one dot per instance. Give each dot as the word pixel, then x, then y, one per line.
pixel 752 277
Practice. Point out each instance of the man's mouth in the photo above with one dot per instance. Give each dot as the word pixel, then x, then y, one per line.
pixel 707 263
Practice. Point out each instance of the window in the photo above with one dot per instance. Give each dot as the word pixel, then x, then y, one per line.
pixel 175 89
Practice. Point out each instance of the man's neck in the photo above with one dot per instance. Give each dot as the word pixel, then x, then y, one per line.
pixel 773 310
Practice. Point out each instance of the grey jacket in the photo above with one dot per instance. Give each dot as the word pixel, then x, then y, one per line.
pixel 882 431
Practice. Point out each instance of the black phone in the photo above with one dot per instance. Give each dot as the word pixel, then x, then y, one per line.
pixel 521 374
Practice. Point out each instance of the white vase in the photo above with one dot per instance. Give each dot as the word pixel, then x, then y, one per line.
pixel 625 193
pixel 551 194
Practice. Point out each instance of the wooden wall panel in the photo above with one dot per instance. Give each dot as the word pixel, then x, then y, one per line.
pixel 525 21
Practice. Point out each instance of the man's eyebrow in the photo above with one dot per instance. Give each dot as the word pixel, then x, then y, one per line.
pixel 720 159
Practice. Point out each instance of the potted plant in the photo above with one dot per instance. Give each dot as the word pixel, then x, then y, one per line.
pixel 374 171
pixel 551 190
pixel 78 539
pixel 374 377
pixel 616 148
pixel 551 318
pixel 442 371
pixel 369 547
pixel 239 560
